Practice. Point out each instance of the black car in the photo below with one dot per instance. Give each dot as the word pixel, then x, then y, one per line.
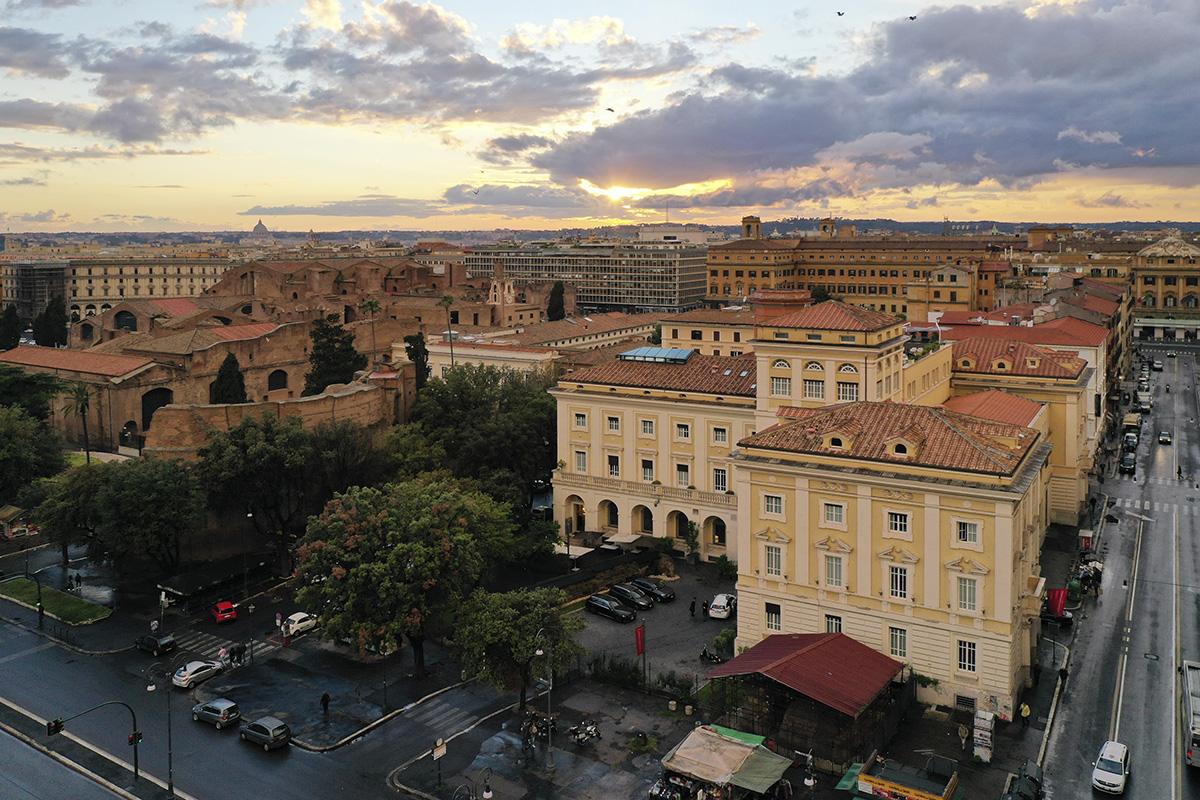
pixel 631 596
pixel 608 606
pixel 660 593
pixel 156 643
pixel 1064 619
pixel 1128 464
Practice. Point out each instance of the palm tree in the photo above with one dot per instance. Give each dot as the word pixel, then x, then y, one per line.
pixel 79 403
pixel 371 306
pixel 446 302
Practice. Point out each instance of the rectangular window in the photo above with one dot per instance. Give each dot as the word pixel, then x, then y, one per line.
pixel 897 522
pixel 773 504
pixel 683 431
pixel 814 390
pixel 581 420
pixel 614 424
pixel 833 571
pixel 898 581
pixel 580 461
pixel 835 513
pixel 720 436
pixel 720 480
pixel 647 470
pixel 774 558
pixel 968 594
pixel 966 656
pixel 968 532
pixel 774 617
pixel 697 336
pixel 847 392
pixel 647 427
pixel 898 642
pixel 781 387
pixel 683 475
pixel 614 466
pixel 833 624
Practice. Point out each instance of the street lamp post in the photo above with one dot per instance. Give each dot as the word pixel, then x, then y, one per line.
pixel 165 672
pixel 540 636
pixel 467 791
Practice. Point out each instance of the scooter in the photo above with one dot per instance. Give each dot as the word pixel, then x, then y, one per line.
pixel 707 655
pixel 584 732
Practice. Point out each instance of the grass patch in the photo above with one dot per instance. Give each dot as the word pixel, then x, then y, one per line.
pixel 67 607
pixel 76 459
pixel 575 605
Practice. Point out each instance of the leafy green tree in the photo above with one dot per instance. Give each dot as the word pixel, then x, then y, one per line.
pixel 50 327
pixel 230 384
pixel 381 564
pixel 30 391
pixel 554 307
pixel 10 328
pixel 68 515
pixel 28 450
pixel 497 637
pixel 655 337
pixel 261 465
pixel 79 404
pixel 146 507
pixel 346 454
pixel 411 452
pixel 418 354
pixel 333 359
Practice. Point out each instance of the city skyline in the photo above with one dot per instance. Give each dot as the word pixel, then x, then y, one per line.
pixel 464 115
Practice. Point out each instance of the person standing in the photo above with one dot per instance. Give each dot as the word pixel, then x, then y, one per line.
pixel 704 608
pixel 325 703
pixel 1025 711
pixel 692 607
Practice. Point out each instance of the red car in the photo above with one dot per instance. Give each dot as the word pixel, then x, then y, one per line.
pixel 224 611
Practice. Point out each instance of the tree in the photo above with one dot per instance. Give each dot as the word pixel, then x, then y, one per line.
pixel 554 307
pixel 382 564
pixel 371 306
pixel 497 636
pixel 418 354
pixel 28 450
pixel 230 384
pixel 346 454
pixel 10 328
pixel 262 466
pixel 334 358
pixel 50 327
pixel 31 391
pixel 146 507
pixel 411 452
pixel 69 515
pixel 447 301
pixel 655 337
pixel 79 403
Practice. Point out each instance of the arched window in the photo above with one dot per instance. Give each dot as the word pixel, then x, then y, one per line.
pixel 277 380
pixel 780 363
pixel 816 366
pixel 86 332
pixel 848 368
pixel 1189 301
pixel 835 442
pixel 247 309
pixel 900 450
pixel 966 363
pixel 125 320
pixel 1169 301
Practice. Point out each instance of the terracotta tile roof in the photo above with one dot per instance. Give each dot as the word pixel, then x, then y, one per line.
pixel 1061 332
pixel 1101 305
pixel 724 375
pixel 176 306
pixel 1113 290
pixel 994 266
pixel 200 338
pixel 814 664
pixel 237 332
pixel 996 405
pixel 718 316
pixel 949 439
pixel 1022 359
pixel 548 332
pixel 834 315
pixel 84 361
pixel 756 244
pixel 1006 313
pixel 960 316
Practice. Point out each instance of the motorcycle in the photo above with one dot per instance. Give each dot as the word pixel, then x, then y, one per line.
pixel 584 732
pixel 539 727
pixel 711 657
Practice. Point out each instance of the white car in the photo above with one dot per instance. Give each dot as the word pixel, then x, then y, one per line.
pixel 299 623
pixel 195 672
pixel 1110 770
pixel 722 606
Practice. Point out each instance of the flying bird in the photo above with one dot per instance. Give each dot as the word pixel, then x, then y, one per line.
pixel 474 191
pixel 609 109
pixel 841 13
pixel 914 16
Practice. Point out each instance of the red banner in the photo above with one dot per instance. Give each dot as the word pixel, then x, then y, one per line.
pixel 639 634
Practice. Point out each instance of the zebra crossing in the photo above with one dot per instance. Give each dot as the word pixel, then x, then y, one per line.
pixel 208 646
pixel 437 714
pixel 1182 509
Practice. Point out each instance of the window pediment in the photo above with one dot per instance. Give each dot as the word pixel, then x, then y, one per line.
pixel 898 554
pixel 967 565
pixel 833 544
pixel 773 535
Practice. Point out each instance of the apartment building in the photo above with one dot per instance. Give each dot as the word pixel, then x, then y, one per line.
pixel 1166 291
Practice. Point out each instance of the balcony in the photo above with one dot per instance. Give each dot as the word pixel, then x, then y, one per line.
pixel 568 480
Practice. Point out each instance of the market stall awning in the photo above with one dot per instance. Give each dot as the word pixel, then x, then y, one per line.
pixel 712 757
pixel 573 552
pixel 623 538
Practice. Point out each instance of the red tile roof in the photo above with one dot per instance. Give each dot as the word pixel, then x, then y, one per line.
pixel 236 332
pixel 942 439
pixel 996 405
pixel 719 316
pixel 834 315
pixel 723 375
pixel 1061 332
pixel 84 361
pixel 176 306
pixel 1101 305
pixel 1019 356
pixel 994 266
pixel 1006 313
pixel 831 668
pixel 960 316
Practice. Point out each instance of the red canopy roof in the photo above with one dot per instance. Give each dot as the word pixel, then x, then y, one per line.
pixel 831 668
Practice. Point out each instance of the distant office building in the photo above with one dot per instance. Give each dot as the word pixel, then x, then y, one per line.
pixel 33 284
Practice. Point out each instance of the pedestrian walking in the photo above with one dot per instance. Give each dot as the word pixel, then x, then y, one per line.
pixel 692 607
pixel 325 702
pixel 1025 715
pixel 704 608
pixel 1062 677
pixel 223 656
pixel 964 734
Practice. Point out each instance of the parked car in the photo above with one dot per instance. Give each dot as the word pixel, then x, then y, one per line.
pixel 1164 437
pixel 195 672
pixel 722 606
pixel 219 712
pixel 660 593
pixel 1110 770
pixel 1130 443
pixel 299 623
pixel 631 596
pixel 1157 366
pixel 223 611
pixel 156 643
pixel 267 731
pixel 1128 463
pixel 609 606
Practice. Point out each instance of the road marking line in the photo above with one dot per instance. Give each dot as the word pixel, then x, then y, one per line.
pixel 30 651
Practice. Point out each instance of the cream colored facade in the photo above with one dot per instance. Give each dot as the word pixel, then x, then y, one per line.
pixel 954 590
pixel 95 286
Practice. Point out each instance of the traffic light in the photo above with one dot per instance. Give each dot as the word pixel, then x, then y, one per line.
pixel 54 726
pixel 134 738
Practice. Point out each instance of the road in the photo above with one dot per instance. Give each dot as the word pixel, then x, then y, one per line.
pixel 31 775
pixel 1123 682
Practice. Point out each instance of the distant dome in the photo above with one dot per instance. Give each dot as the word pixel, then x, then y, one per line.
pixel 260 229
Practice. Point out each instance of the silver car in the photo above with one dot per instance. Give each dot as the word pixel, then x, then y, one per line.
pixel 267 731
pixel 219 712
pixel 195 672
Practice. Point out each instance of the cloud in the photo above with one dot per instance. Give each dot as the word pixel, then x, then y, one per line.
pixel 17 153
pixel 531 38
pixel 1108 200
pixel 34 114
pixel 22 182
pixel 30 52
pixel 323 13
pixel 376 205
pixel 47 217
pixel 21 5
pixel 1098 137
pixel 161 186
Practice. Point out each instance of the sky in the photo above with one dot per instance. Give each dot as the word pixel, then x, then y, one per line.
pixel 331 115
